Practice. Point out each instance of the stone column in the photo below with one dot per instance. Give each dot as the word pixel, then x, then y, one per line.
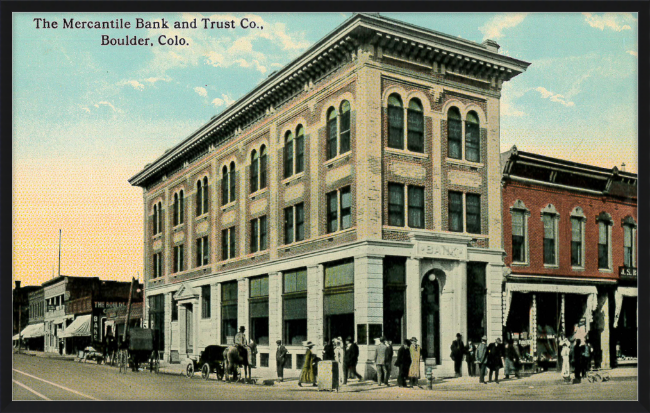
pixel 604 335
pixel 449 320
pixel 315 304
pixel 461 300
pixel 242 305
pixel 368 305
pixel 493 279
pixel 215 301
pixel 168 326
pixel 217 313
pixel 182 331
pixel 275 314
pixel 413 299
pixel 196 327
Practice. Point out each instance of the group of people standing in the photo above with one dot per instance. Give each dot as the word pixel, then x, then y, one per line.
pixel 576 354
pixel 344 352
pixel 494 357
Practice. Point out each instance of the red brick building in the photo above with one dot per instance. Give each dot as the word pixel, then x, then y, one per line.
pixel 570 242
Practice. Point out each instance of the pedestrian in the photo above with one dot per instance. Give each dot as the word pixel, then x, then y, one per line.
pixel 512 360
pixel 586 360
pixel 280 358
pixel 576 360
pixel 495 359
pixel 389 356
pixel 414 371
pixel 253 361
pixel 566 367
pixel 350 359
pixel 307 373
pixel 457 351
pixel 403 363
pixel 482 358
pixel 382 362
pixel 328 350
pixel 470 357
pixel 339 352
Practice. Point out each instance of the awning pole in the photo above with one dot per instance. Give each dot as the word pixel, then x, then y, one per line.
pixel 128 312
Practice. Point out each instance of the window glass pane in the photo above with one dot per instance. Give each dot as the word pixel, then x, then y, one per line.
pixel 331 137
pixel 549 251
pixel 472 142
pixel 263 233
pixel 224 244
pixel 518 248
pixel 576 253
pixel 346 208
pixel 263 169
pixel 394 100
pixel 224 187
pixel 254 232
pixel 415 131
pixel 473 202
pixel 456 211
pixel 288 158
pixel 301 280
pixel 396 205
pixel 627 236
pixel 300 222
pixel 549 226
pixel 332 219
pixel 416 206
pixel 454 138
pixel 341 273
pixel 233 182
pixel 395 127
pixel 233 245
pixel 518 223
pixel 576 233
pixel 300 154
pixel 602 233
pixel 254 173
pixel 288 225
pixel 395 270
pixel 345 132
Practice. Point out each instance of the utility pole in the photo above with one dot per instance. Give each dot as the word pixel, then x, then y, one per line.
pixel 59 252
pixel 20 337
pixel 128 312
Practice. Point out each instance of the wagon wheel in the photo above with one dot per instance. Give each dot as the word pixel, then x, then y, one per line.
pixel 189 371
pixel 154 362
pixel 220 371
pixel 205 371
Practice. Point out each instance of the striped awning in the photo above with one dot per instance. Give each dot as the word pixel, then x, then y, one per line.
pixel 32 331
pixel 80 327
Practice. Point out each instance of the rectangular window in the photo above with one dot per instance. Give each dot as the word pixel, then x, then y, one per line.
pixel 229 299
pixel 288 225
pixel 263 242
pixel 233 244
pixel 345 131
pixel 603 245
pixel 300 222
pixel 175 212
pixel 473 213
pixel 254 175
pixel 576 242
pixel 395 205
pixel 549 239
pixel 206 198
pixel 259 310
pixel 346 207
pixel 174 310
pixel 224 188
pixel 258 234
pixel 396 127
pixel 294 304
pixel 254 234
pixel 233 184
pixel 416 206
pixel 456 211
pixel 394 298
pixel 332 137
pixel 455 138
pixel 415 131
pixel 263 170
pixel 179 264
pixel 288 158
pixel 518 237
pixel 205 301
pixel 628 245
pixel 228 245
pixel 472 142
pixel 202 251
pixel 338 299
pixel 300 153
pixel 157 265
pixel 332 208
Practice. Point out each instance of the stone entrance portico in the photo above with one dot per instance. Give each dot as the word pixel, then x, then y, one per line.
pixel 187 300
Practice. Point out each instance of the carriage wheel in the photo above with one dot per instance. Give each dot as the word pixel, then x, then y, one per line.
pixel 205 371
pixel 189 371
pixel 220 371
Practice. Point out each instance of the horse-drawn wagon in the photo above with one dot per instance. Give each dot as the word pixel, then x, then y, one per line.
pixel 140 347
pixel 211 360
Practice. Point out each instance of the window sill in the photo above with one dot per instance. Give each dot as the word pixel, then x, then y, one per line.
pixel 179 227
pixel 256 254
pixel 605 270
pixel 258 193
pixel 157 236
pixel 577 268
pixel 520 264
pixel 292 178
pixel 285 247
pixel 203 216
pixel 337 232
pixel 228 205
pixel 338 158
pixel 552 266
pixel 404 228
pixel 405 152
pixel 465 163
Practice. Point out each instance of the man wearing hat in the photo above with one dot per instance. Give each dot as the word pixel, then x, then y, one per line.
pixel 403 363
pixel 414 371
pixel 481 358
pixel 280 358
pixel 240 341
pixel 307 373
pixel 382 362
pixel 457 352
pixel 350 360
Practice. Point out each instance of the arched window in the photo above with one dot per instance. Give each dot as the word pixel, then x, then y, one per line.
pixel 199 197
pixel 472 138
pixel 454 133
pixel 415 133
pixel 181 207
pixel 395 122
pixel 550 220
pixel 345 127
pixel 233 182
pixel 176 209
pixel 263 161
pixel 604 221
pixel 254 171
pixel 288 154
pixel 224 185
pixel 332 132
pixel 629 242
pixel 206 197
pixel 300 149
pixel 155 219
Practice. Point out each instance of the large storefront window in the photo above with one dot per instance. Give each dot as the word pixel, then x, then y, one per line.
pixel 338 300
pixel 394 298
pixel 627 332
pixel 476 302
pixel 157 319
pixel 294 306
pixel 259 310
pixel 229 292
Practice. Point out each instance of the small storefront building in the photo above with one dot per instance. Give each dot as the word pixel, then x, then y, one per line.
pixel 626 319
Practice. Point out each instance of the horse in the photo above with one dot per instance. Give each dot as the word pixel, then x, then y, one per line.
pixel 235 356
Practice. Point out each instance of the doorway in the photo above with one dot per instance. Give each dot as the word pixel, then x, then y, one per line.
pixel 189 329
pixel 431 316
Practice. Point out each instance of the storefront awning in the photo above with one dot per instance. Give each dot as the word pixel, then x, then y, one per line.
pixel 32 331
pixel 618 300
pixel 590 290
pixel 80 327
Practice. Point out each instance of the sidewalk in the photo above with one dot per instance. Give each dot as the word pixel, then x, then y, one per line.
pixel 70 357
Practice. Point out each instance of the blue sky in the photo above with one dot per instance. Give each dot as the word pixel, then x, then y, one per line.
pixel 86 117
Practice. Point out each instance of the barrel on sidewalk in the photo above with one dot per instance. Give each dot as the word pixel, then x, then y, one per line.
pixel 328 375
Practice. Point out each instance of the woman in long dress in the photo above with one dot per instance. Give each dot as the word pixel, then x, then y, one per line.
pixel 566 366
pixel 414 371
pixel 307 373
pixel 338 356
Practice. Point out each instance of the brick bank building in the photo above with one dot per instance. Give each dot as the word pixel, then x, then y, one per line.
pixel 355 192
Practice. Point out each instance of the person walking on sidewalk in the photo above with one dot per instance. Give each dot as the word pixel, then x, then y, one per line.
pixel 576 360
pixel 495 359
pixel 307 373
pixel 389 356
pixel 414 371
pixel 566 367
pixel 382 362
pixel 470 357
pixel 280 358
pixel 512 360
pixel 328 350
pixel 457 351
pixel 339 352
pixel 350 360
pixel 403 363
pixel 482 358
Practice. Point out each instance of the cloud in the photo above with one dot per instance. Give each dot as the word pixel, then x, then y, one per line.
pixel 554 97
pixel 201 91
pixel 153 80
pixel 508 94
pixel 494 28
pixel 97 105
pixel 224 100
pixel 614 21
pixel 633 53
pixel 136 85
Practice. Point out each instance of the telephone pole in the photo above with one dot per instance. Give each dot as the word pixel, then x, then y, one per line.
pixel 59 252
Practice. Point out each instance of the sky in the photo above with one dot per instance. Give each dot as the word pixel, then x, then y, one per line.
pixel 87 117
